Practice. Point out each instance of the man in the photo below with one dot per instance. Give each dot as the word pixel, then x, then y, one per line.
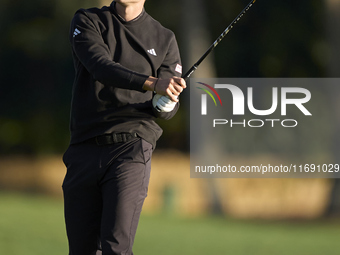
pixel 127 74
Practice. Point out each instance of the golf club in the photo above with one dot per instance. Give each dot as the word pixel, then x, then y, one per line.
pixel 217 41
pixel 225 32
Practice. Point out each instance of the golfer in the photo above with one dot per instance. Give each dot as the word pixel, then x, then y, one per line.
pixel 127 74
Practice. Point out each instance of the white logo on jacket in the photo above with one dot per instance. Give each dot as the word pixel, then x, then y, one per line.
pixel 76 32
pixel 178 68
pixel 152 52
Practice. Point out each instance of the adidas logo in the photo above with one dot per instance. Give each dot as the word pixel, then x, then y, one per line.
pixel 76 32
pixel 152 52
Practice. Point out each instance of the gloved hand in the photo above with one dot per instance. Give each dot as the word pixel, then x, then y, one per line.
pixel 163 103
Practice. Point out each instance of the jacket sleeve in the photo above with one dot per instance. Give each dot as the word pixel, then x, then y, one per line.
pixel 91 50
pixel 170 67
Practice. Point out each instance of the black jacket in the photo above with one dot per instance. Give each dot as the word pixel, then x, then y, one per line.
pixel 112 59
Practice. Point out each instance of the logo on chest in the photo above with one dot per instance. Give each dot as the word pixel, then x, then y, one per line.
pixel 152 52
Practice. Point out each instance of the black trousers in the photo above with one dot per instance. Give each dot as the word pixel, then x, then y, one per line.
pixel 104 190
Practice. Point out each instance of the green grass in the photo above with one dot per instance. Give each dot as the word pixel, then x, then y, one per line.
pixel 33 225
pixel 220 236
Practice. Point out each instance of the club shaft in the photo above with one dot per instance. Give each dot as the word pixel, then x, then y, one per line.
pixel 217 41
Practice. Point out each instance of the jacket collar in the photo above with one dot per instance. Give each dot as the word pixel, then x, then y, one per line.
pixel 114 11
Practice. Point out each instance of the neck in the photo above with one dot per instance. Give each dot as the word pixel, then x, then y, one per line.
pixel 129 11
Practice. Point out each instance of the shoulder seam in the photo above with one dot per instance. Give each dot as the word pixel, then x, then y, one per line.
pixel 85 12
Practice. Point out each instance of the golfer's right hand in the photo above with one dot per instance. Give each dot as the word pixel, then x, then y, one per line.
pixel 171 87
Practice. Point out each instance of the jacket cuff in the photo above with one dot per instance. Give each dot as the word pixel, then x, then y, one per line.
pixel 165 115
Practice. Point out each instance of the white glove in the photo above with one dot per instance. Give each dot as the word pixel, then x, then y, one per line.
pixel 163 103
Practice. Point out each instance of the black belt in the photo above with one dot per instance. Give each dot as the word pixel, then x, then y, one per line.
pixel 113 138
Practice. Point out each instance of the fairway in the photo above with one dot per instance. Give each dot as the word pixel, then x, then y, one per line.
pixel 33 225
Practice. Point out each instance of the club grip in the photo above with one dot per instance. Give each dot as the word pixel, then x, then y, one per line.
pixel 189 72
